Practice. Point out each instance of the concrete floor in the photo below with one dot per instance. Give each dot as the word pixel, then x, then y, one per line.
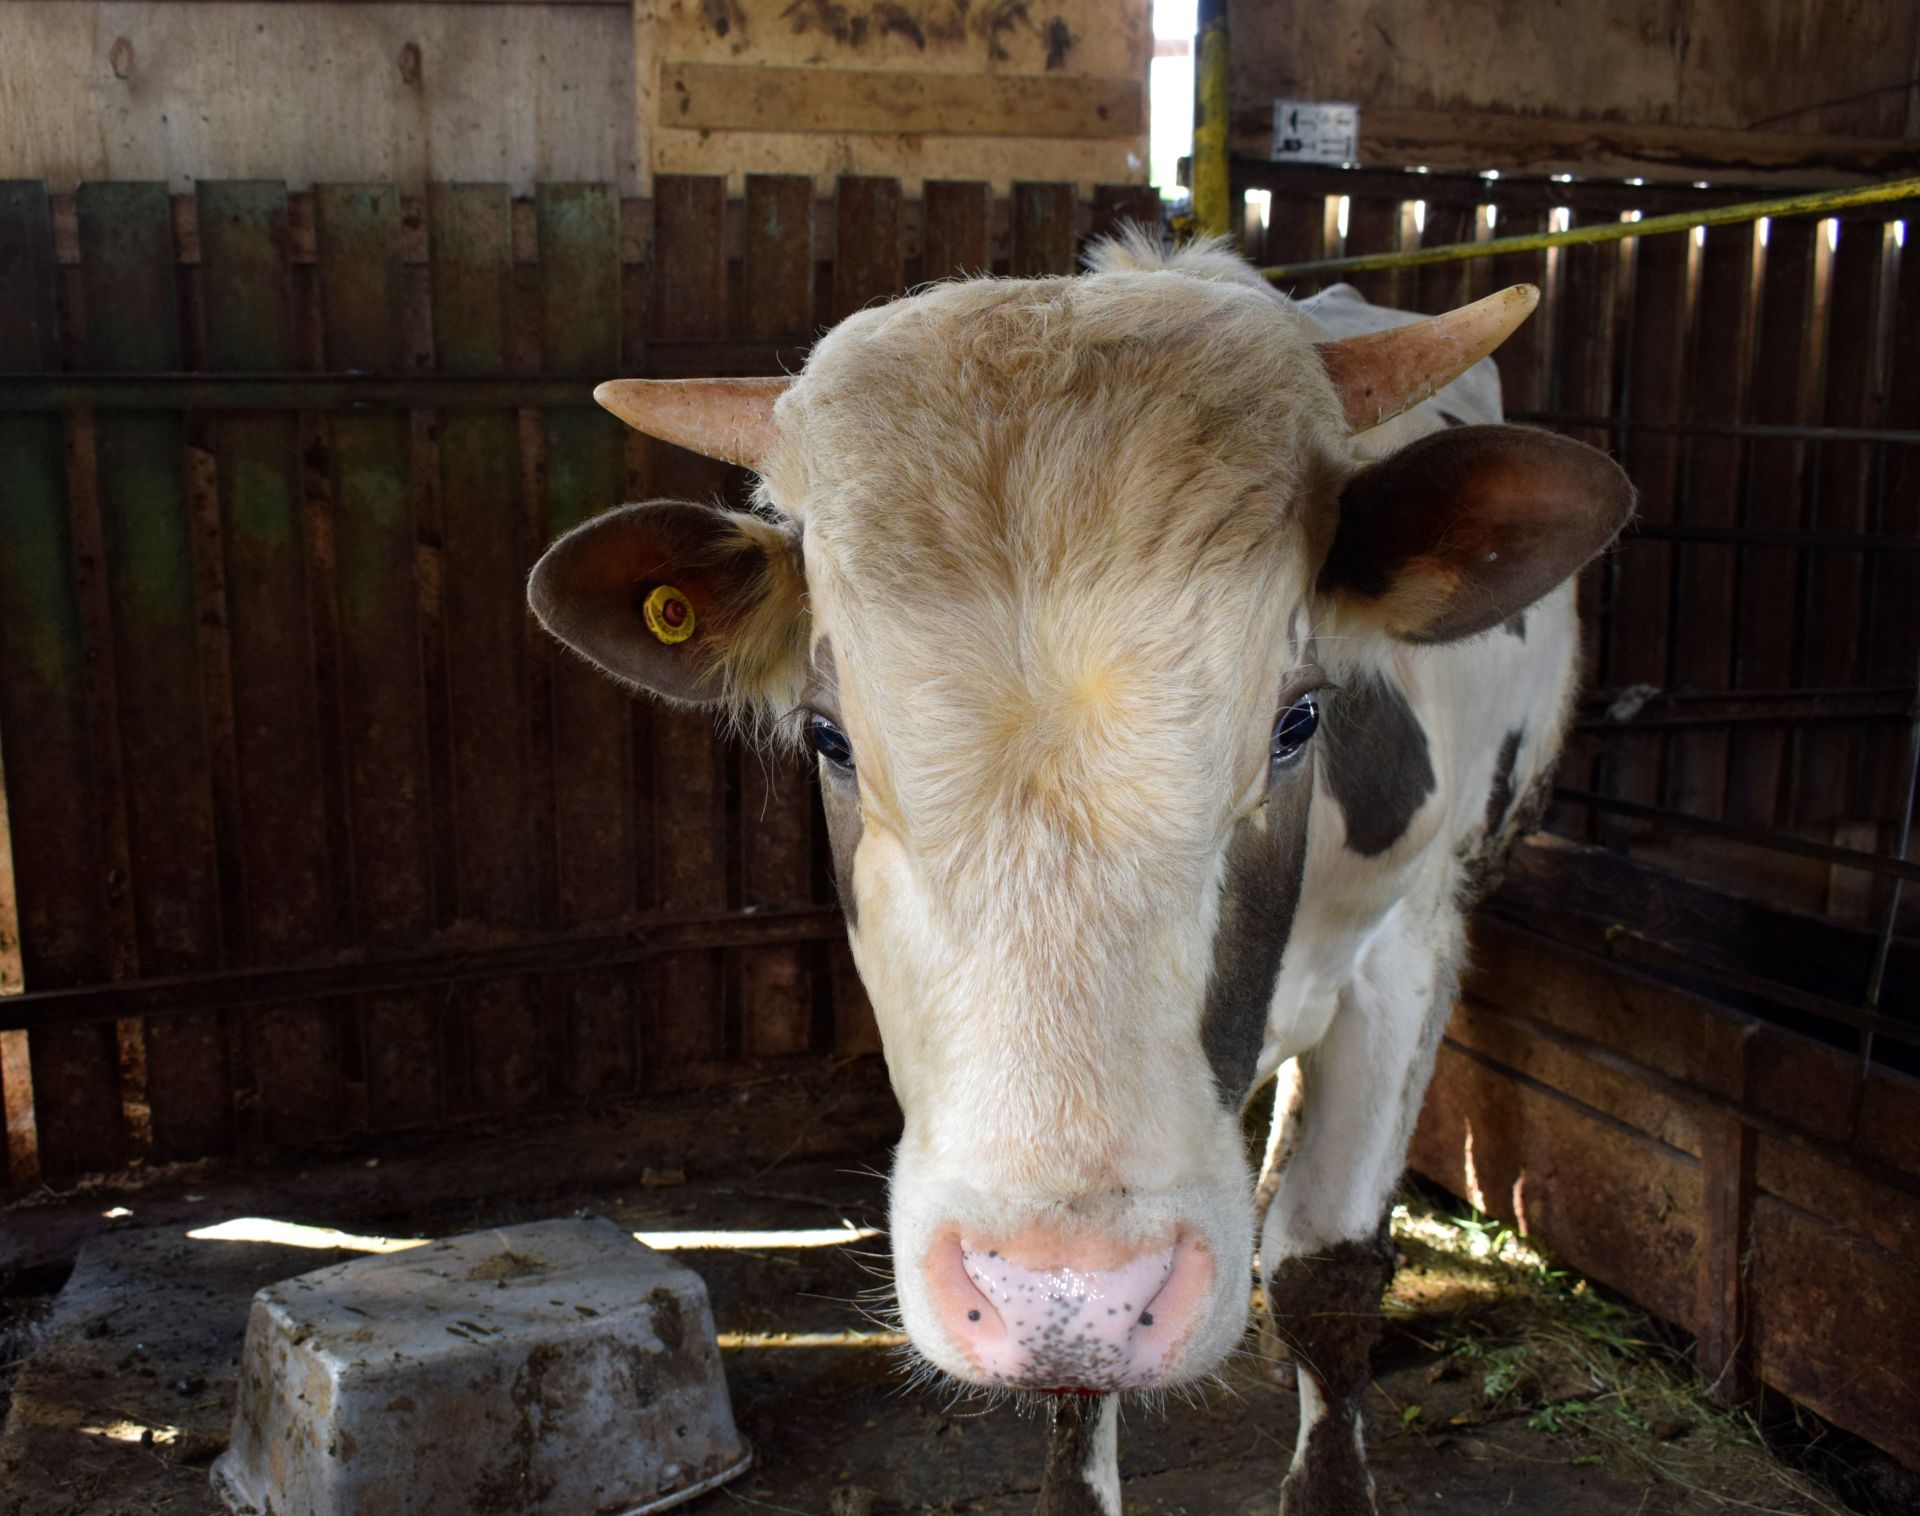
pixel 129 1392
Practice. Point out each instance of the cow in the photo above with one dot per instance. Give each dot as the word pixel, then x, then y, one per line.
pixel 1178 662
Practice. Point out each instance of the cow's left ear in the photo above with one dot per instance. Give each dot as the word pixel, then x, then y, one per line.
pixel 692 602
pixel 1465 528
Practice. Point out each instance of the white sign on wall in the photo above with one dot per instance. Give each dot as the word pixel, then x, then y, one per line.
pixel 1316 131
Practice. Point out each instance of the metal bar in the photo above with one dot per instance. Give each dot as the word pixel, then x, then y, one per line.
pixel 1712 707
pixel 1821 202
pixel 640 939
pixel 1511 194
pixel 1752 836
pixel 1723 428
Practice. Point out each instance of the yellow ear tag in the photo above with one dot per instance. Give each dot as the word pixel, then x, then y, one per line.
pixel 669 614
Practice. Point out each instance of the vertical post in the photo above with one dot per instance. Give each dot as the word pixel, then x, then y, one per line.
pixel 1723 1347
pixel 1210 104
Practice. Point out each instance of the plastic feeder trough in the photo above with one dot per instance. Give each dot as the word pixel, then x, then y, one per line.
pixel 554 1368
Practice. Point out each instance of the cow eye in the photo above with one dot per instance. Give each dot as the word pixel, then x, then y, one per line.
pixel 829 741
pixel 1291 731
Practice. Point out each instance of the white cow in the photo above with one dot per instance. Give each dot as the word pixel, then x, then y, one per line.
pixel 1169 709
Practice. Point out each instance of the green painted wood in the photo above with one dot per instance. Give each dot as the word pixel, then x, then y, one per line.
pixel 294 1050
pixel 52 811
pixel 485 560
pixel 382 673
pixel 127 276
pixel 591 724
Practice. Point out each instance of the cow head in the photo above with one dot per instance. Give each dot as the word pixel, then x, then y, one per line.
pixel 1053 575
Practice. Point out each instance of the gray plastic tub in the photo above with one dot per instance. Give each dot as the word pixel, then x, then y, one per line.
pixel 554 1368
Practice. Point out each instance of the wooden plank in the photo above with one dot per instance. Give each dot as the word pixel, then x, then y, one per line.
pixel 381 666
pixel 1703 635
pixel 1832 1313
pixel 1894 628
pixel 688 1022
pixel 1611 1202
pixel 284 852
pixel 1043 240
pixel 1723 1350
pixel 52 813
pixel 1655 363
pixel 709 97
pixel 1523 358
pixel 1296 233
pixel 1540 144
pixel 1122 205
pixel 869 219
pixel 776 841
pixel 1776 483
pixel 485 559
pixel 1443 286
pixel 1825 787
pixel 593 721
pixel 1373 226
pixel 127 275
pixel 959 237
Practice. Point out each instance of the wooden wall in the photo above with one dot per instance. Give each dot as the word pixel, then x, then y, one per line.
pixel 1687 89
pixel 404 92
pixel 313 833
pixel 184 90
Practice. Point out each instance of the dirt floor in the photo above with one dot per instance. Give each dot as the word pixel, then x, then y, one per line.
pixel 1501 1385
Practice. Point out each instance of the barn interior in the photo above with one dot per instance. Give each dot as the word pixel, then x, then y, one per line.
pixel 339 908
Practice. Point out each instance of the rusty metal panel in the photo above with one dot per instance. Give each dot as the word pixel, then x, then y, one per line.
pixel 52 811
pixel 284 850
pixel 593 725
pixel 133 315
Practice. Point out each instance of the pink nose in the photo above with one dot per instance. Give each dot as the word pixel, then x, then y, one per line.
pixel 1043 1312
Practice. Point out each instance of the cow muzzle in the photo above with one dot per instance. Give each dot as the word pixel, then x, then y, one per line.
pixel 1042 1310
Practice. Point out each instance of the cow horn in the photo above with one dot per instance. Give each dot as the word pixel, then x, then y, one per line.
pixel 730 419
pixel 1381 374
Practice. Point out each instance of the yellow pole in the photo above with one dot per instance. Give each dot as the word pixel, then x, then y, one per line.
pixel 1211 210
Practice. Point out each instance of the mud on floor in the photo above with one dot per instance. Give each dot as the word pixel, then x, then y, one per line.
pixel 1501 1384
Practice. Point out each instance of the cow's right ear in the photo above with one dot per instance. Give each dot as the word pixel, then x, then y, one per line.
pixel 695 603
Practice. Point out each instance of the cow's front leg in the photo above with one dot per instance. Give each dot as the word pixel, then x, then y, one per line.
pixel 1082 1476
pixel 1325 1248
